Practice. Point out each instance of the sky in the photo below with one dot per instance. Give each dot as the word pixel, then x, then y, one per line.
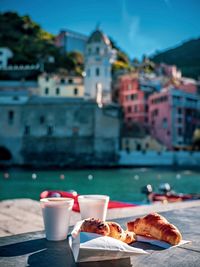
pixel 137 26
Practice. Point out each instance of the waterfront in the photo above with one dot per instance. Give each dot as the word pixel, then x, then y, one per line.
pixel 119 184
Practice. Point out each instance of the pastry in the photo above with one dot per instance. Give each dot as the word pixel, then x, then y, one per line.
pixel 156 226
pixel 111 229
pixel 96 226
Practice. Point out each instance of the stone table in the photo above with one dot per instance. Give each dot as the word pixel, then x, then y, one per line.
pixel 32 249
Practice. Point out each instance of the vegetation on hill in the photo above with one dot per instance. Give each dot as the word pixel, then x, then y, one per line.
pixel 31 44
pixel 186 57
pixel 122 61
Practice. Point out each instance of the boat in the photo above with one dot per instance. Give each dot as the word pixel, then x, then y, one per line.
pixel 73 194
pixel 167 195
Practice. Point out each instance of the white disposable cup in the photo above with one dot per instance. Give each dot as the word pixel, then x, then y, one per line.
pixel 93 206
pixel 56 215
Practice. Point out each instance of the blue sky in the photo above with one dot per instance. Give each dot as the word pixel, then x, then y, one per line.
pixel 138 26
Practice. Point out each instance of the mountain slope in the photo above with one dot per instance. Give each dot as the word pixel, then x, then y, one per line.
pixel 186 57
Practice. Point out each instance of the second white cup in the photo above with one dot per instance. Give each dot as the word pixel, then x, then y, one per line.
pixel 93 206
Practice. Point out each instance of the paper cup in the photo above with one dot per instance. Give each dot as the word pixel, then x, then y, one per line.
pixel 93 206
pixel 56 215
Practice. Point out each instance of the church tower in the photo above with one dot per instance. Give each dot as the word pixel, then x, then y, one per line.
pixel 99 57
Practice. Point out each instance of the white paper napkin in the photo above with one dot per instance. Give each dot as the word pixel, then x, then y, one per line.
pixel 94 247
pixel 159 243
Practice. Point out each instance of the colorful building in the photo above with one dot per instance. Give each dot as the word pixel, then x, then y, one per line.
pixel 60 86
pixel 69 41
pixel 133 97
pixel 173 117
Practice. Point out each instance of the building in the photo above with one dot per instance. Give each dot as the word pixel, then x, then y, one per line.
pixel 133 98
pixel 135 138
pixel 60 86
pixel 5 54
pixel 69 41
pixel 170 71
pixel 99 57
pixel 173 117
pixel 58 132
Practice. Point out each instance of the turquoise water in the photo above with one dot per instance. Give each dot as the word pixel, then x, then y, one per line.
pixel 119 184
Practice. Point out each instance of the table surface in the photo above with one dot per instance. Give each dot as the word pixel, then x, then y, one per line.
pixel 33 250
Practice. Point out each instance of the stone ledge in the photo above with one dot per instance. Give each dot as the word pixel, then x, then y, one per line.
pixel 24 215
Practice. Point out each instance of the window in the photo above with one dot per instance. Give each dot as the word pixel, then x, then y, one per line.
pixel 128 97
pixel 97 50
pixel 47 78
pixel 138 147
pixel 134 96
pixel 164 123
pixel 129 86
pixel 75 91
pixel 62 81
pixel 135 109
pixel 57 91
pixel 27 130
pixel 154 112
pixel 179 120
pixel 180 131
pixel 10 116
pixel 46 91
pixel 97 72
pixel 15 97
pixel 42 119
pixel 50 130
pixel 129 109
pixel 70 81
pixel 179 111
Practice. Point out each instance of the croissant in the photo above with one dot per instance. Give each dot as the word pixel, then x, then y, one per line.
pixel 156 226
pixel 111 229
pixel 117 232
pixel 96 226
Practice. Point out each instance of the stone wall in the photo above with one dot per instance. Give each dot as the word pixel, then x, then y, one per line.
pixel 61 132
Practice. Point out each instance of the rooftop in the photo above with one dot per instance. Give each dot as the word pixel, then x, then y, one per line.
pixel 98 36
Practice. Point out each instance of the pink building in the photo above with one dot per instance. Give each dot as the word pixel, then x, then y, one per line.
pixel 173 117
pixel 187 85
pixel 134 99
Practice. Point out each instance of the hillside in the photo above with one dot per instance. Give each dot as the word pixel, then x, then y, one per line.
pixel 31 44
pixel 186 57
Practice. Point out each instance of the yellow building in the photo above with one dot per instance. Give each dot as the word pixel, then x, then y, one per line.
pixel 60 86
pixel 135 138
pixel 141 144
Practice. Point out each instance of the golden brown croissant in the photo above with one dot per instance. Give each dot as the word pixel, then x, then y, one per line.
pixel 115 230
pixel 156 226
pixel 111 229
pixel 95 226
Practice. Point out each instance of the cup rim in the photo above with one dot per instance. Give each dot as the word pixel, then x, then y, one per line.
pixel 56 200
pixel 94 196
